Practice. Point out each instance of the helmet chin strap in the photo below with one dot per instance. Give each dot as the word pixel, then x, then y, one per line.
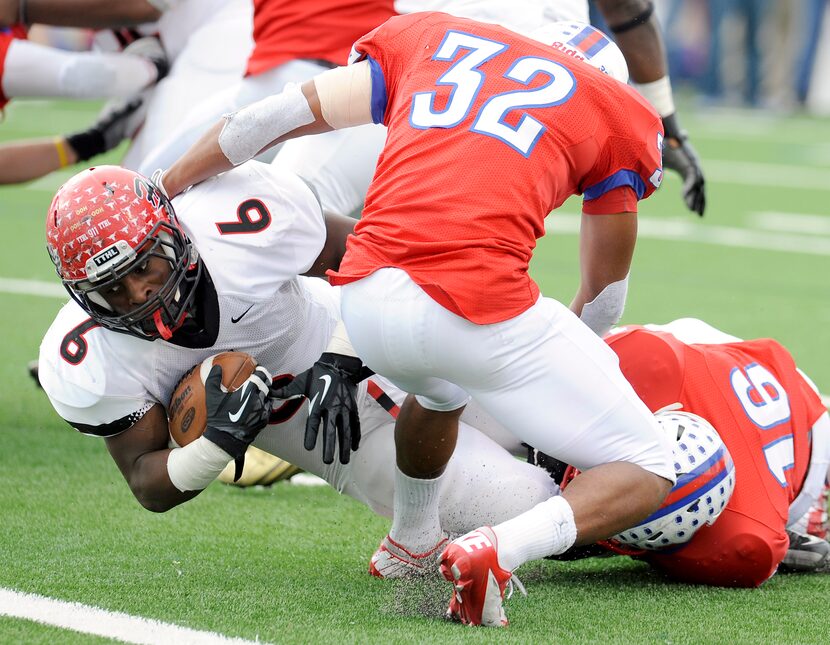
pixel 164 331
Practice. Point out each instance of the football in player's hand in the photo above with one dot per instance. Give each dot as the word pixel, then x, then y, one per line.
pixel 186 414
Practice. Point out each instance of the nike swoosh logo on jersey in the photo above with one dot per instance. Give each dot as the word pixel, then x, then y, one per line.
pixel 240 316
pixel 234 416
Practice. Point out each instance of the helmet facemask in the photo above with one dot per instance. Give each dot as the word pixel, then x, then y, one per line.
pixel 167 308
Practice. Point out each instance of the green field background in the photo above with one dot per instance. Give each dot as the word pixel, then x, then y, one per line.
pixel 288 564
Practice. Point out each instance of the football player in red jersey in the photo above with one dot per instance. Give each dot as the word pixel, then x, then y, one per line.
pixel 488 131
pixel 772 420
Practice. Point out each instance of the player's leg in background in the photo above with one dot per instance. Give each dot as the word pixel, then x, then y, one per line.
pixel 205 62
pixel 245 91
pixel 339 164
pixel 34 70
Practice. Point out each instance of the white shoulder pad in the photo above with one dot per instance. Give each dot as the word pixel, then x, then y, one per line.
pixel 255 227
pixel 79 371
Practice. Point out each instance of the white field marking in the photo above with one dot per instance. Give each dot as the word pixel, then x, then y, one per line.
pixel 688 230
pixel 750 173
pixel 33 288
pixel 109 624
pixel 791 222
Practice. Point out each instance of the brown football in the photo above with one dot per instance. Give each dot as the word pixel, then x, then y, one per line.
pixel 186 414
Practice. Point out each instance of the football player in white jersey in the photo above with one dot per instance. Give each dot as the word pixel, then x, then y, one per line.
pixel 155 292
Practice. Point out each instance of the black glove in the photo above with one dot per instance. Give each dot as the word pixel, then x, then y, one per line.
pixel 234 419
pixel 680 156
pixel 118 120
pixel 331 389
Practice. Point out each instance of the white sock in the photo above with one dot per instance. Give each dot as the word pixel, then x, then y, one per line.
pixel 416 524
pixel 546 529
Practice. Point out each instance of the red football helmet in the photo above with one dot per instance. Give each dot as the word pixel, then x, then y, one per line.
pixel 105 222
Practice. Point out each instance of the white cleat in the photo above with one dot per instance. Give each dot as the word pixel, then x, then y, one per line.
pixel 392 560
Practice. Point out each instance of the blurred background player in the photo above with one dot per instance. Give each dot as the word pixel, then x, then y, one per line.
pixel 206 41
pixel 33 70
pixel 28 159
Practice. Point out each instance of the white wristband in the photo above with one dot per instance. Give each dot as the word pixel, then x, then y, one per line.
pixel 196 465
pixel 254 127
pixel 659 94
pixel 605 311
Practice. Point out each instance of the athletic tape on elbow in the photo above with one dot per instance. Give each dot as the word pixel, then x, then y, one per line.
pixel 196 465
pixel 254 127
pixel 605 311
pixel 345 95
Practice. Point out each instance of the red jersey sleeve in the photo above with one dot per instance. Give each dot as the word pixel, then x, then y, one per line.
pixel 7 35
pixel 387 59
pixel 629 167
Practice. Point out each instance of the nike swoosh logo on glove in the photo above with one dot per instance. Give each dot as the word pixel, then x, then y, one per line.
pixel 234 416
pixel 327 380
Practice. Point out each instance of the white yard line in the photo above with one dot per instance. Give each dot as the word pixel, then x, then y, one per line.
pixel 791 222
pixel 689 230
pixel 33 288
pixel 92 620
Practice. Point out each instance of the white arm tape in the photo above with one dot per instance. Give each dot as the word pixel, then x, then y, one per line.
pixel 605 311
pixel 252 128
pixel 196 465
pixel 345 95
pixel 659 94
pixel 340 343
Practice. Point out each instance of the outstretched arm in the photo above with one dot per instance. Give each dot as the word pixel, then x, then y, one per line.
pixel 22 161
pixel 338 98
pixel 95 14
pixel 637 33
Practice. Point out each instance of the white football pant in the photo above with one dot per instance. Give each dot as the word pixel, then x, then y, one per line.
pixel 543 374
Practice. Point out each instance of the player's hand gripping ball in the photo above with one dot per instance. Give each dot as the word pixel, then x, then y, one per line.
pixel 187 412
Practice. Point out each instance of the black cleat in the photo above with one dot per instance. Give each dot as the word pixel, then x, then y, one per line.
pixel 33 372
